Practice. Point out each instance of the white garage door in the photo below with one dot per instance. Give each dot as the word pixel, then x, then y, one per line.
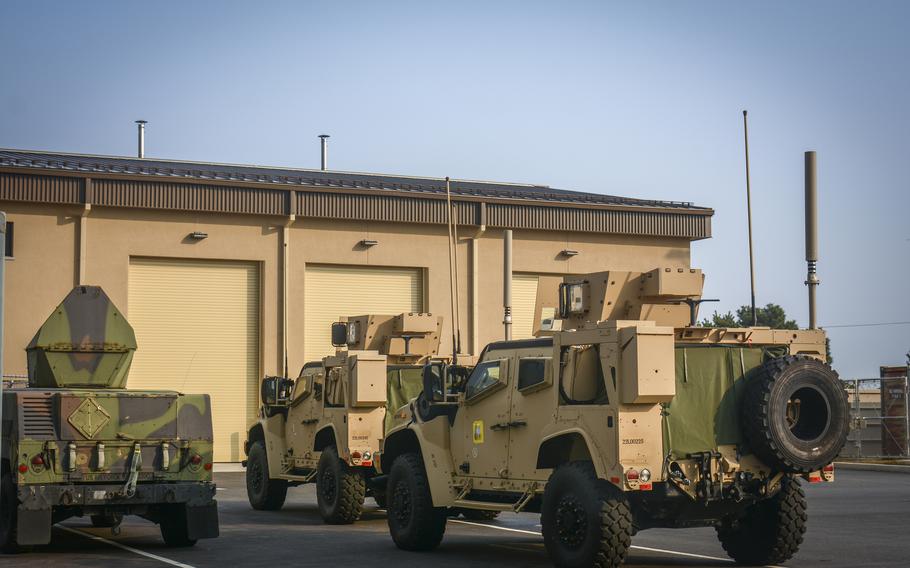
pixel 340 291
pixel 524 302
pixel 197 326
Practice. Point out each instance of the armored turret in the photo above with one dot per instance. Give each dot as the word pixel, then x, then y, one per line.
pixel 85 342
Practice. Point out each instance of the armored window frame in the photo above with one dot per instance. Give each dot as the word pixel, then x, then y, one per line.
pixel 534 374
pixel 488 383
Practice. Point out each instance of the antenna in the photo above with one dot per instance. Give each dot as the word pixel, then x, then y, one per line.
pixel 812 280
pixel 453 280
pixel 749 213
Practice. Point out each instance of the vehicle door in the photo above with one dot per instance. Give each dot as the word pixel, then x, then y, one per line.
pixel 533 407
pixel 480 434
pixel 304 412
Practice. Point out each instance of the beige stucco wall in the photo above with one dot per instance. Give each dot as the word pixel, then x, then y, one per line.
pixel 46 266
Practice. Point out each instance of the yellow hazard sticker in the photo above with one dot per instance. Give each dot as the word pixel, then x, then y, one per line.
pixel 477 430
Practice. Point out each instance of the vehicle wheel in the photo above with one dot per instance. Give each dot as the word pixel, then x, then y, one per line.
pixel 477 514
pixel 107 521
pixel 414 523
pixel 339 489
pixel 795 414
pixel 174 528
pixel 770 531
pixel 8 506
pixel 586 521
pixel 264 494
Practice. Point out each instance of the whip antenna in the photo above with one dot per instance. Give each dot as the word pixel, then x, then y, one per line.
pixel 749 214
pixel 453 282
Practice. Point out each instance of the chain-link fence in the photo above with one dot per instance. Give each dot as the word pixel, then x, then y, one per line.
pixel 879 418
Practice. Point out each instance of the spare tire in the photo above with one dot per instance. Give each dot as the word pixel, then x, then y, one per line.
pixel 795 414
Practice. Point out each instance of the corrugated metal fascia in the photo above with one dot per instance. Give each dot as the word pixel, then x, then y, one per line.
pixel 599 221
pixel 186 196
pixel 383 208
pixel 41 189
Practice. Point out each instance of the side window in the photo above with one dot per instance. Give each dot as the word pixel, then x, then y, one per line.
pixel 334 389
pixel 533 373
pixel 9 239
pixel 486 377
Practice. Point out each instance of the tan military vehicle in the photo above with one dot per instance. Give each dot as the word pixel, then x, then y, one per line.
pixel 627 418
pixel 326 426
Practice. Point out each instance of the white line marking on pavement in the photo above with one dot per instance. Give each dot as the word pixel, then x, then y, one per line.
pixel 125 547
pixel 644 548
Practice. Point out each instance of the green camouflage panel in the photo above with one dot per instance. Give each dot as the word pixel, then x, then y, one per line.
pixel 85 342
pixel 84 436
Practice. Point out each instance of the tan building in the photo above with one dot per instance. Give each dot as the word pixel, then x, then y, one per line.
pixel 230 272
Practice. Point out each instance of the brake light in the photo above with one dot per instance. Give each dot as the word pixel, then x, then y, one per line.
pixel 632 475
pixel 828 468
pixel 38 460
pixel 23 468
pixel 196 459
pixel 355 455
pixel 207 467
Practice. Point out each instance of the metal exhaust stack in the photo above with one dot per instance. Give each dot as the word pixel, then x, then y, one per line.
pixel 324 142
pixel 507 283
pixel 141 124
pixel 812 280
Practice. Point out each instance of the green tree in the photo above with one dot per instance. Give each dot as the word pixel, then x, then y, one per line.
pixel 771 315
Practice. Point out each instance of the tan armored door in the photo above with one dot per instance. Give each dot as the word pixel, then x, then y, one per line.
pixel 524 303
pixel 480 435
pixel 197 326
pixel 334 291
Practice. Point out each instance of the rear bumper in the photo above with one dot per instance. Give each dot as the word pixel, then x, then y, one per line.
pixel 32 497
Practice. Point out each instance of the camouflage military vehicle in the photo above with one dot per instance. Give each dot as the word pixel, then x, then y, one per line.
pixel 627 418
pixel 75 443
pixel 326 426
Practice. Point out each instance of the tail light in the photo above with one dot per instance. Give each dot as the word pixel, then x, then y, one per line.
pixel 632 475
pixel 207 467
pixel 828 468
pixel 23 468
pixel 355 455
pixel 196 459
pixel 37 463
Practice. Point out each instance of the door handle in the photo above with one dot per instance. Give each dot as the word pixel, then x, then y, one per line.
pixel 500 426
pixel 517 423
pixel 309 421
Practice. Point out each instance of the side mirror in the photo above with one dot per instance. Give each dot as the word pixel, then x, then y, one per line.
pixel 434 385
pixel 339 334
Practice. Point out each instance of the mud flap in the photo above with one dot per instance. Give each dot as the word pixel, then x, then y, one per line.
pixel 202 522
pixel 33 526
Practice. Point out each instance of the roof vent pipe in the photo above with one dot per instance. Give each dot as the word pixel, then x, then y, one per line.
pixel 324 142
pixel 141 124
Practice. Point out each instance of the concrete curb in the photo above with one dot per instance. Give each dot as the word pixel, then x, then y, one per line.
pixel 860 466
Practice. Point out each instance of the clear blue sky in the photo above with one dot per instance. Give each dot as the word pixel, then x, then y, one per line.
pixel 636 99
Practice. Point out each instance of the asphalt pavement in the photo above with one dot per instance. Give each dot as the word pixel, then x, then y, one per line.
pixel 860 520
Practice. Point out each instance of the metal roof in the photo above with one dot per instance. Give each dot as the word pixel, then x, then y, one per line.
pixel 177 169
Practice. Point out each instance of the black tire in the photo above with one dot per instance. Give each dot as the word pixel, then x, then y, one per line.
pixel 9 504
pixel 770 531
pixel 477 514
pixel 795 414
pixel 340 491
pixel 264 494
pixel 585 521
pixel 414 523
pixel 174 527
pixel 107 521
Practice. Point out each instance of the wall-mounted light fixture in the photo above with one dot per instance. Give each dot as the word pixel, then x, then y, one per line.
pixel 368 243
pixel 198 235
pixel 569 252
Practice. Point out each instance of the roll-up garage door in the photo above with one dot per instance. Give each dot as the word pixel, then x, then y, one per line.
pixel 197 326
pixel 339 291
pixel 524 302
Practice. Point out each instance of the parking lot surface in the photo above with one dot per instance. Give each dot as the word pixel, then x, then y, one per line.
pixel 861 520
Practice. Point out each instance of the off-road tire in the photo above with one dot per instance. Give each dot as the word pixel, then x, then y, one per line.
pixel 476 514
pixel 174 527
pixel 340 490
pixel 819 433
pixel 770 531
pixel 264 494
pixel 586 521
pixel 107 521
pixel 414 523
pixel 8 505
